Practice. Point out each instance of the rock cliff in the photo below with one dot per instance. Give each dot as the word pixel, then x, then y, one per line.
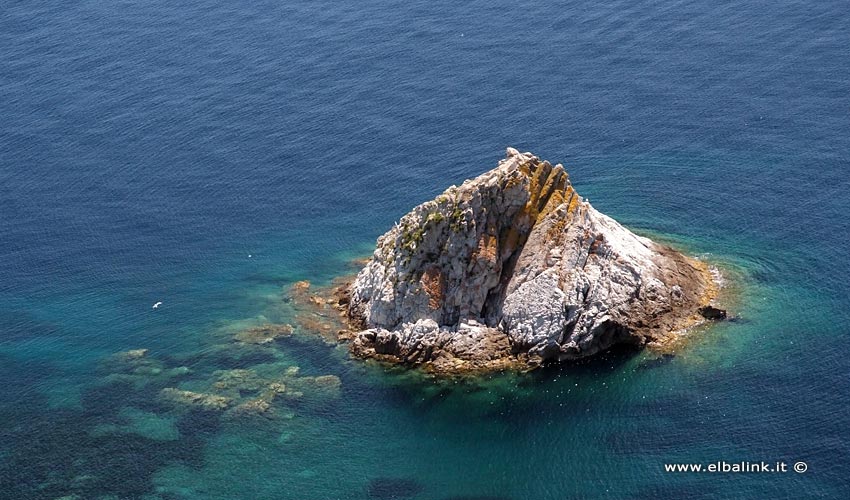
pixel 514 268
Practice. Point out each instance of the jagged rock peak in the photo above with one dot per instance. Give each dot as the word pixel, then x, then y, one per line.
pixel 515 267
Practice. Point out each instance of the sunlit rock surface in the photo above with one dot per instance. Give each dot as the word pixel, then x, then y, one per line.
pixel 514 268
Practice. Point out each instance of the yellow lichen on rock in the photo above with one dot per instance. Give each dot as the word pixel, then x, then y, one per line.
pixel 434 283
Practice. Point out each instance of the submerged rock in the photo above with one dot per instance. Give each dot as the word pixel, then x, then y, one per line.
pixel 239 380
pixel 257 407
pixel 131 355
pixel 196 399
pixel 134 361
pixel 662 360
pixel 515 268
pixel 321 388
pixel 136 367
pixel 263 334
pixel 317 310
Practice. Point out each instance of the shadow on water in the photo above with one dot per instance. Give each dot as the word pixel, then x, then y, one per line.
pixel 16 326
pixel 102 400
pixel 199 424
pixel 390 488
pixel 281 280
pixel 21 378
pixel 315 356
pixel 668 441
pixel 222 360
pixel 476 497
pixel 56 453
pixel 605 363
pixel 505 397
pixel 84 451
pixel 692 491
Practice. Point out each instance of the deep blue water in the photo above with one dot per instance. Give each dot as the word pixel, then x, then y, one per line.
pixel 148 148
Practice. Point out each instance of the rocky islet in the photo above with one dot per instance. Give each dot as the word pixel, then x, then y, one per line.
pixel 514 268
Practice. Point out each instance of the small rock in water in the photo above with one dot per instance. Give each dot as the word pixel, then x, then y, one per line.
pixel 131 355
pixel 713 313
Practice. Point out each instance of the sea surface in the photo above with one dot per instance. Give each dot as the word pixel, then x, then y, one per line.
pixel 209 155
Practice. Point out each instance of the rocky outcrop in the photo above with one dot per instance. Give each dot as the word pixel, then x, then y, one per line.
pixel 514 268
pixel 712 313
pixel 263 334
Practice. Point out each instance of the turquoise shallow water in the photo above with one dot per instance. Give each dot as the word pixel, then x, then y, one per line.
pixel 147 149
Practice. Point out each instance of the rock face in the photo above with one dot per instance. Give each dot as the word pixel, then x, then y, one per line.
pixel 514 267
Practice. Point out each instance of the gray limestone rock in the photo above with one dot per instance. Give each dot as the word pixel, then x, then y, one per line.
pixel 515 267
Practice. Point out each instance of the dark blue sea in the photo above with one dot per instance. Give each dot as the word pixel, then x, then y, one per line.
pixel 208 155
